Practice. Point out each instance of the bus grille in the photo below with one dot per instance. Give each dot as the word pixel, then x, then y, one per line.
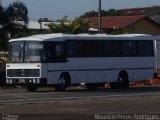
pixel 23 72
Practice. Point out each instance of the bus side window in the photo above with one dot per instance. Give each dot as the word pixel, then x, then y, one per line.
pixel 94 48
pixel 75 48
pixel 55 52
pixel 50 51
pixel 128 48
pixel 112 48
pixel 145 48
pixel 59 50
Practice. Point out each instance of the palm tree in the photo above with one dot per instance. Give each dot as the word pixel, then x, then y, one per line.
pixel 81 26
pixel 66 26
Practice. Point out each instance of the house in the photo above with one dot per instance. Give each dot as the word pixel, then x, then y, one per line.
pixel 154 10
pixel 134 11
pixel 35 27
pixel 126 24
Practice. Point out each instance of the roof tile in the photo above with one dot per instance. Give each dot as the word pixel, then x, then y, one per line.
pixel 115 21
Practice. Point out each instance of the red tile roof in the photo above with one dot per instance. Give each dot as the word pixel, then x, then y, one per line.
pixel 115 21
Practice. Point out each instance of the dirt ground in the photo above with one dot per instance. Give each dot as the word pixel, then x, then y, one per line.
pixel 80 109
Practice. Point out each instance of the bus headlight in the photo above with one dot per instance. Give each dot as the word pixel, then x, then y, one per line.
pixel 38 81
pixel 6 80
pixel 10 81
pixel 34 81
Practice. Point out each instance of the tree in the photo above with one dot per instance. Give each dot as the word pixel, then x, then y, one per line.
pixel 16 11
pixel 2 16
pixel 12 18
pixel 66 26
pixel 81 26
pixel 110 12
pixel 89 14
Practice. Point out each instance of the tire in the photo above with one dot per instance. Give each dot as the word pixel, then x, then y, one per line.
pixel 32 88
pixel 122 81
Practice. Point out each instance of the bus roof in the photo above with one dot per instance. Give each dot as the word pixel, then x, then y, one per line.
pixel 63 37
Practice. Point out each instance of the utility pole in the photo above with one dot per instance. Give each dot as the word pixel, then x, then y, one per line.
pixel 99 17
pixel 40 22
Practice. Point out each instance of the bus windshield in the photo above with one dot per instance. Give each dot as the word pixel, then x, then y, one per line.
pixel 26 51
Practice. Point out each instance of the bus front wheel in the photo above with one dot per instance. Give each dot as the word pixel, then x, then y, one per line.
pixel 63 82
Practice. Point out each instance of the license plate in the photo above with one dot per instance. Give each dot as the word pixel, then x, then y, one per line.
pixel 21 80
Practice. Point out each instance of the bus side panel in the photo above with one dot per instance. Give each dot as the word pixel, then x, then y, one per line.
pixel 101 70
pixel 140 74
pixel 54 71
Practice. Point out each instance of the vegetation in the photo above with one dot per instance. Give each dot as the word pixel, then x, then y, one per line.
pixel 154 10
pixel 110 12
pixel 17 11
pixel 66 26
pixel 9 17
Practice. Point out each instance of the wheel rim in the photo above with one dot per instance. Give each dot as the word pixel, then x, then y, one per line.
pixel 61 81
pixel 61 84
pixel 123 80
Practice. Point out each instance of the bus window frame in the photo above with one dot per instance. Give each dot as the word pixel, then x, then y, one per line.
pixel 119 49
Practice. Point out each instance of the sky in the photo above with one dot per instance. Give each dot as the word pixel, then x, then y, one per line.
pixel 57 9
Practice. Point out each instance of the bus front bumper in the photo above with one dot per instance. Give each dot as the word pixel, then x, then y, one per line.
pixel 23 81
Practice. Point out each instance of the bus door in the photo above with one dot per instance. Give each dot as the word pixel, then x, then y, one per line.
pixel 56 59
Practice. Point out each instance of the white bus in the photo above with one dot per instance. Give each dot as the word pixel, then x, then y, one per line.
pixel 61 60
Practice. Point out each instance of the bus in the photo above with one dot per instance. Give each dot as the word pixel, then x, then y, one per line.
pixel 61 60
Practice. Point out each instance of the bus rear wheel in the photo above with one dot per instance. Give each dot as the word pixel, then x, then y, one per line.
pixel 122 81
pixel 32 88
